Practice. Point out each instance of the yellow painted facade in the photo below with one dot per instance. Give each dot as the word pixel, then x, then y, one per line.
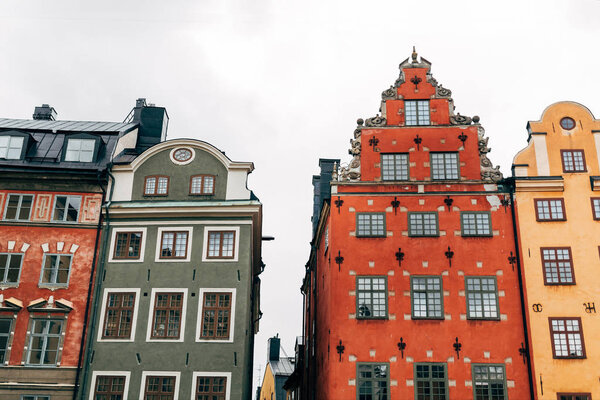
pixel 267 389
pixel 540 174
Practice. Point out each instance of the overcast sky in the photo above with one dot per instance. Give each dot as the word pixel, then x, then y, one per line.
pixel 281 83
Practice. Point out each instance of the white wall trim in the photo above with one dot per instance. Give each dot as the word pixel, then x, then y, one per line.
pixel 236 245
pixel 188 229
pixel 95 374
pixel 183 314
pixel 196 374
pixel 176 162
pixel 136 306
pixel 541 155
pixel 231 317
pixel 186 222
pixel 145 374
pixel 113 241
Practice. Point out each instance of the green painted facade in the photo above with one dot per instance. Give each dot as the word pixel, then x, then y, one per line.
pixel 139 356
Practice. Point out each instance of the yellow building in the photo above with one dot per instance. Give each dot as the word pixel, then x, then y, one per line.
pixel 557 199
pixel 277 371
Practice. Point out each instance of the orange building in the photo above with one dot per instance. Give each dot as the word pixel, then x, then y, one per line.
pixel 557 179
pixel 412 286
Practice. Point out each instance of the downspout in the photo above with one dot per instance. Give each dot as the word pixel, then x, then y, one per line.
pixel 521 289
pixel 89 296
pixel 98 280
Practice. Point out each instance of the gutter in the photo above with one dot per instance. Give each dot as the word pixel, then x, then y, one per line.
pixel 511 182
pixel 94 305
pixel 89 296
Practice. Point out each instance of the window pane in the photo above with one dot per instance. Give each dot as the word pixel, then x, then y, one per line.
pixel 394 167
pixel 15 145
pixel 196 185
pixel 209 183
pixel 371 297
pixel 150 186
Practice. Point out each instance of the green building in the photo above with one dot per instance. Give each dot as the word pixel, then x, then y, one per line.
pixel 177 299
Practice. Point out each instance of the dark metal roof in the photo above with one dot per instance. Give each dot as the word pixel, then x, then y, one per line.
pixel 46 141
pixel 66 126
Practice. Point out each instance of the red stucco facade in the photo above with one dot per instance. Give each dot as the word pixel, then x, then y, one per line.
pixel 340 255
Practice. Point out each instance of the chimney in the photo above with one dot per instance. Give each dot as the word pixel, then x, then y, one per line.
pixel 44 113
pixel 153 123
pixel 273 349
pixel 322 188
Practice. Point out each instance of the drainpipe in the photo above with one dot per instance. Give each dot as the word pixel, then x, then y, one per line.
pixel 94 306
pixel 89 295
pixel 511 183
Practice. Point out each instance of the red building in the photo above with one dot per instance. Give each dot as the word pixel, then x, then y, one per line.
pixel 53 176
pixel 412 289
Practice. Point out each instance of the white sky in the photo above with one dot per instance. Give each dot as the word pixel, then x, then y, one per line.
pixel 281 83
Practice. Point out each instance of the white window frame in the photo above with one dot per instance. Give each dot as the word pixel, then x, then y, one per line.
pixel 8 147
pixel 51 284
pixel 184 291
pixel 5 284
pixel 176 374
pixel 197 374
pixel 201 293
pixel 19 206
pixel 188 229
pixel 136 306
pixel 64 221
pixel 79 151
pixel 236 248
pixel 96 374
pixel 113 243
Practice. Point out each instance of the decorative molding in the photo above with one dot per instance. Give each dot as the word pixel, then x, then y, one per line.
pixel 90 212
pixel 50 305
pixel 539 185
pixel 351 172
pixel 375 121
pixel 389 94
pixel 460 120
pixel 488 172
pixel 41 211
pixel 10 304
pixel 442 91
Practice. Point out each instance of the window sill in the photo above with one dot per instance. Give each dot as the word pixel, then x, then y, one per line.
pixel 52 286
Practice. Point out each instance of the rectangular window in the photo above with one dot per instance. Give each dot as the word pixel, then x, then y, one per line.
pixel 550 209
pixel 427 297
pixel 5 326
pixel 44 341
pixel 174 244
pixel 567 338
pixel 371 297
pixel 109 387
pixel 211 388
pixel 423 224
pixel 558 266
pixel 127 245
pixel 56 269
pixel 119 316
pixel 80 150
pixel 66 208
pixel 221 244
pixel 573 161
pixel 417 112
pixel 573 396
pixel 11 147
pixel 489 382
pixel 35 397
pixel 373 381
pixel 476 223
pixel 166 323
pixel 202 184
pixel 482 297
pixel 596 208
pixel 444 166
pixel 370 224
pixel 431 381
pixel 394 167
pixel 159 388
pixel 156 186
pixel 216 316
pixel 10 268
pixel 18 207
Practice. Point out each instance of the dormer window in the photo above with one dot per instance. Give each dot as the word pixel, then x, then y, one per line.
pixel 202 184
pixel 11 147
pixel 80 150
pixel 156 186
pixel 417 112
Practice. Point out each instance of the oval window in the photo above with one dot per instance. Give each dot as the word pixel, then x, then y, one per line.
pixel 567 123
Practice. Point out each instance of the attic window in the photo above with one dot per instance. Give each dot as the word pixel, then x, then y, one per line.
pixel 567 123
pixel 11 147
pixel 80 150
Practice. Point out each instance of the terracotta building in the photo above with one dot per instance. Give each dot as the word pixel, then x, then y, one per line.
pixel 412 288
pixel 557 184
pixel 53 176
